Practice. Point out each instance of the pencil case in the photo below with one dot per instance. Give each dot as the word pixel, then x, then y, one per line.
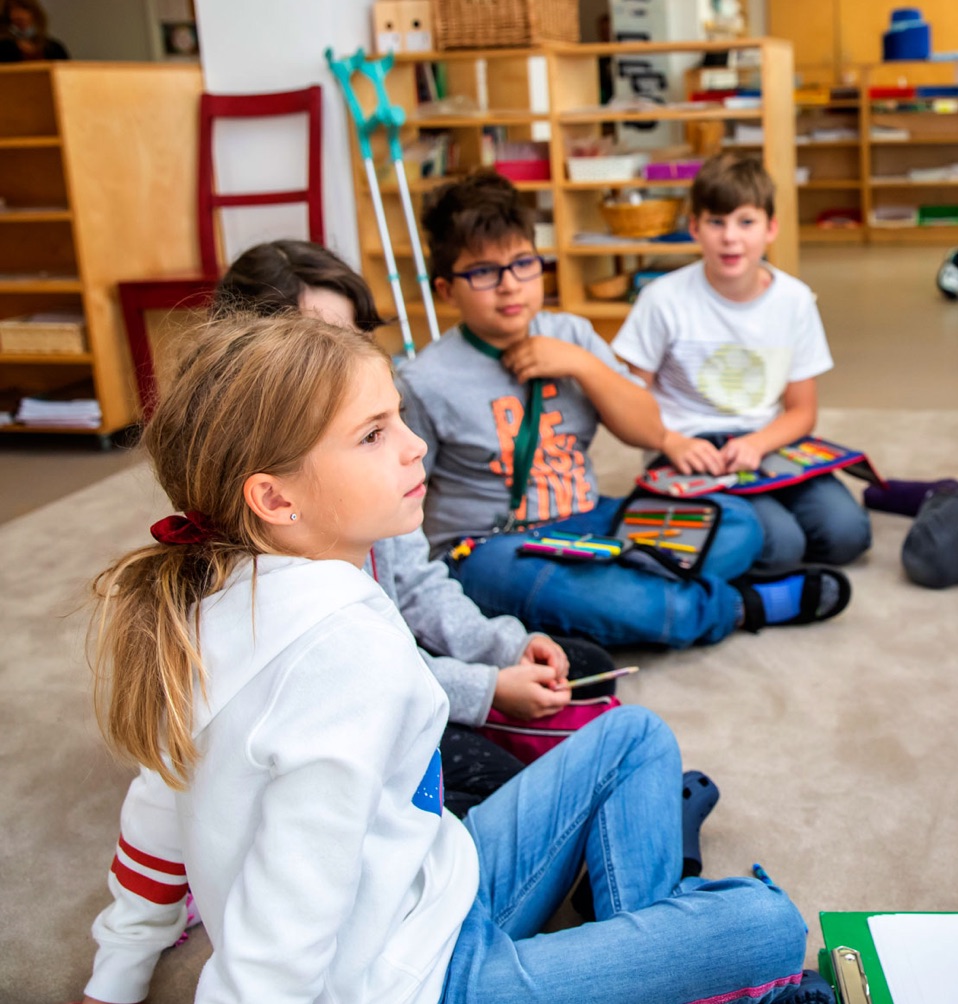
pixel 665 534
pixel 662 535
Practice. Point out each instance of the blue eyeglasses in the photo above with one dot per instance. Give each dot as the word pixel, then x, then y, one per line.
pixel 525 269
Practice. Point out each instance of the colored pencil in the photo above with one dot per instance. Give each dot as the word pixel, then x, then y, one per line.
pixel 693 522
pixel 610 674
pixel 586 545
pixel 675 547
pixel 673 511
pixel 565 552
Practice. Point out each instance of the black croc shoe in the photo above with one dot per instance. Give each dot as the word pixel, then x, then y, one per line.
pixel 813 989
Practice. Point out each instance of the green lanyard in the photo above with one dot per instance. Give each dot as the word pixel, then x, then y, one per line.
pixel 527 438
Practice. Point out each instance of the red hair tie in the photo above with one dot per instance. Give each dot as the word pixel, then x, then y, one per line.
pixel 190 528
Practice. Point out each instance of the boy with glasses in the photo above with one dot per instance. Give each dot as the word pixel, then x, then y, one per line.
pixel 495 471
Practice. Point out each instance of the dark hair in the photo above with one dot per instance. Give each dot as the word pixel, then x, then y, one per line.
pixel 39 14
pixel 727 182
pixel 463 215
pixel 269 279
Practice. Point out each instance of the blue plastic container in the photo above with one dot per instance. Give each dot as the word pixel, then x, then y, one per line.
pixel 908 36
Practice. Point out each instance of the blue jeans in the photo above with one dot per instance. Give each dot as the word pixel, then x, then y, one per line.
pixel 611 795
pixel 611 603
pixel 816 521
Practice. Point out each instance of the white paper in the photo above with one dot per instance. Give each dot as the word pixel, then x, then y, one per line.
pixel 919 955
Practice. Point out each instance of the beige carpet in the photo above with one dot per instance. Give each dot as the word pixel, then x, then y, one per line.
pixel 835 746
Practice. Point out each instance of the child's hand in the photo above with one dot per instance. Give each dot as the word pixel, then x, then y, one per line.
pixel 692 456
pixel 742 454
pixel 540 356
pixel 525 691
pixel 542 649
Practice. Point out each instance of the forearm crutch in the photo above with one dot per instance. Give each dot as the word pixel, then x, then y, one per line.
pixel 391 117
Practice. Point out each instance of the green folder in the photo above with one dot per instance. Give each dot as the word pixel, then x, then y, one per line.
pixel 850 930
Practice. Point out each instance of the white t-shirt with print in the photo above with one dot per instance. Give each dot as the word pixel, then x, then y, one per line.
pixel 721 365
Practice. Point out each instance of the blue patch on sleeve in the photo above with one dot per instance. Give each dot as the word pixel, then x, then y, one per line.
pixel 428 795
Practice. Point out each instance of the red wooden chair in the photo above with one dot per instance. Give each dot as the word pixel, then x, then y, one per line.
pixel 191 291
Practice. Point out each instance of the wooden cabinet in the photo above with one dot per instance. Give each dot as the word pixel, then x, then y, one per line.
pixel 828 137
pixel 910 155
pixel 97 178
pixel 551 94
pixel 888 160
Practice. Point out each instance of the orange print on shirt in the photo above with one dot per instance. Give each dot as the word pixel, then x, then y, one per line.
pixel 557 479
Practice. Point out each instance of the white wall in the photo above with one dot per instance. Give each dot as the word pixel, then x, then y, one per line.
pixel 248 45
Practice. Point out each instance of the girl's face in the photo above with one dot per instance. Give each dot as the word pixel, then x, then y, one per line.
pixel 364 479
pixel 502 313
pixel 328 306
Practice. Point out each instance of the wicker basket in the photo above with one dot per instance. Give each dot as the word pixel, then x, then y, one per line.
pixel 650 218
pixel 43 335
pixel 466 24
pixel 615 287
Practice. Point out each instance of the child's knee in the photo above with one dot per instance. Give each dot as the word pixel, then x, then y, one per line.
pixel 632 724
pixel 785 545
pixel 768 910
pixel 844 540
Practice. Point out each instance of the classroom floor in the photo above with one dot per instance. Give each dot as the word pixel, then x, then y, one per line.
pixel 893 335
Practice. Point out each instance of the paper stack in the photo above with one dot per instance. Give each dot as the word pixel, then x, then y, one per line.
pixel 79 414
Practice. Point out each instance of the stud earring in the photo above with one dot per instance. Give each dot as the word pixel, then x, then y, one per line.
pixel 293 516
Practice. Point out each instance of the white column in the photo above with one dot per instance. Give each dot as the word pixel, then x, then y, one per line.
pixel 251 46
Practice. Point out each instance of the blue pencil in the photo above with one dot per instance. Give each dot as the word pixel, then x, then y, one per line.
pixel 759 872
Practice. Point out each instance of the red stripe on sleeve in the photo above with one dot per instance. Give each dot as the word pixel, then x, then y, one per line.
pixel 148 861
pixel 155 892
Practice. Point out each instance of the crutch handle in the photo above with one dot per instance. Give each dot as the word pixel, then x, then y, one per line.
pixel 385 114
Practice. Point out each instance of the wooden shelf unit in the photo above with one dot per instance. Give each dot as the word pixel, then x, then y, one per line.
pixel 835 179
pixel 97 174
pixel 570 108
pixel 870 171
pixel 932 143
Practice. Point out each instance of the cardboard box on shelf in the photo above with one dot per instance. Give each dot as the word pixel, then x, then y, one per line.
pixel 415 24
pixel 387 30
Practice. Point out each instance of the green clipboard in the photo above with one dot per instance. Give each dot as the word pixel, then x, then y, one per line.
pixel 850 930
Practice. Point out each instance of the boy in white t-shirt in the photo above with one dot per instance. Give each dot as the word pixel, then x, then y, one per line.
pixel 731 347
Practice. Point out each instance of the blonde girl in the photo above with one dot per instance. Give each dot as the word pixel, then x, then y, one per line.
pixel 248 661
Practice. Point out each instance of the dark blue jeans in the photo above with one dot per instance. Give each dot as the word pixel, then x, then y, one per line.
pixel 612 603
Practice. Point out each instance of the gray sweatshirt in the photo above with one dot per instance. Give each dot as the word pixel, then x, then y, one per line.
pixel 464 649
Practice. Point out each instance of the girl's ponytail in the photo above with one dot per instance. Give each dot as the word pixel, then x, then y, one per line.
pixel 251 395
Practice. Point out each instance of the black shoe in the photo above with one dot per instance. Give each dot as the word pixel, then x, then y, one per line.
pixel 587 659
pixel 797 596
pixel 813 989
pixel 699 795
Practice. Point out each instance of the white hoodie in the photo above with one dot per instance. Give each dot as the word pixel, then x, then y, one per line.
pixel 312 831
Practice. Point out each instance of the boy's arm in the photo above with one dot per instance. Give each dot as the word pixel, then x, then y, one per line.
pixel 627 410
pixel 688 454
pixel 798 417
pixel 465 650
